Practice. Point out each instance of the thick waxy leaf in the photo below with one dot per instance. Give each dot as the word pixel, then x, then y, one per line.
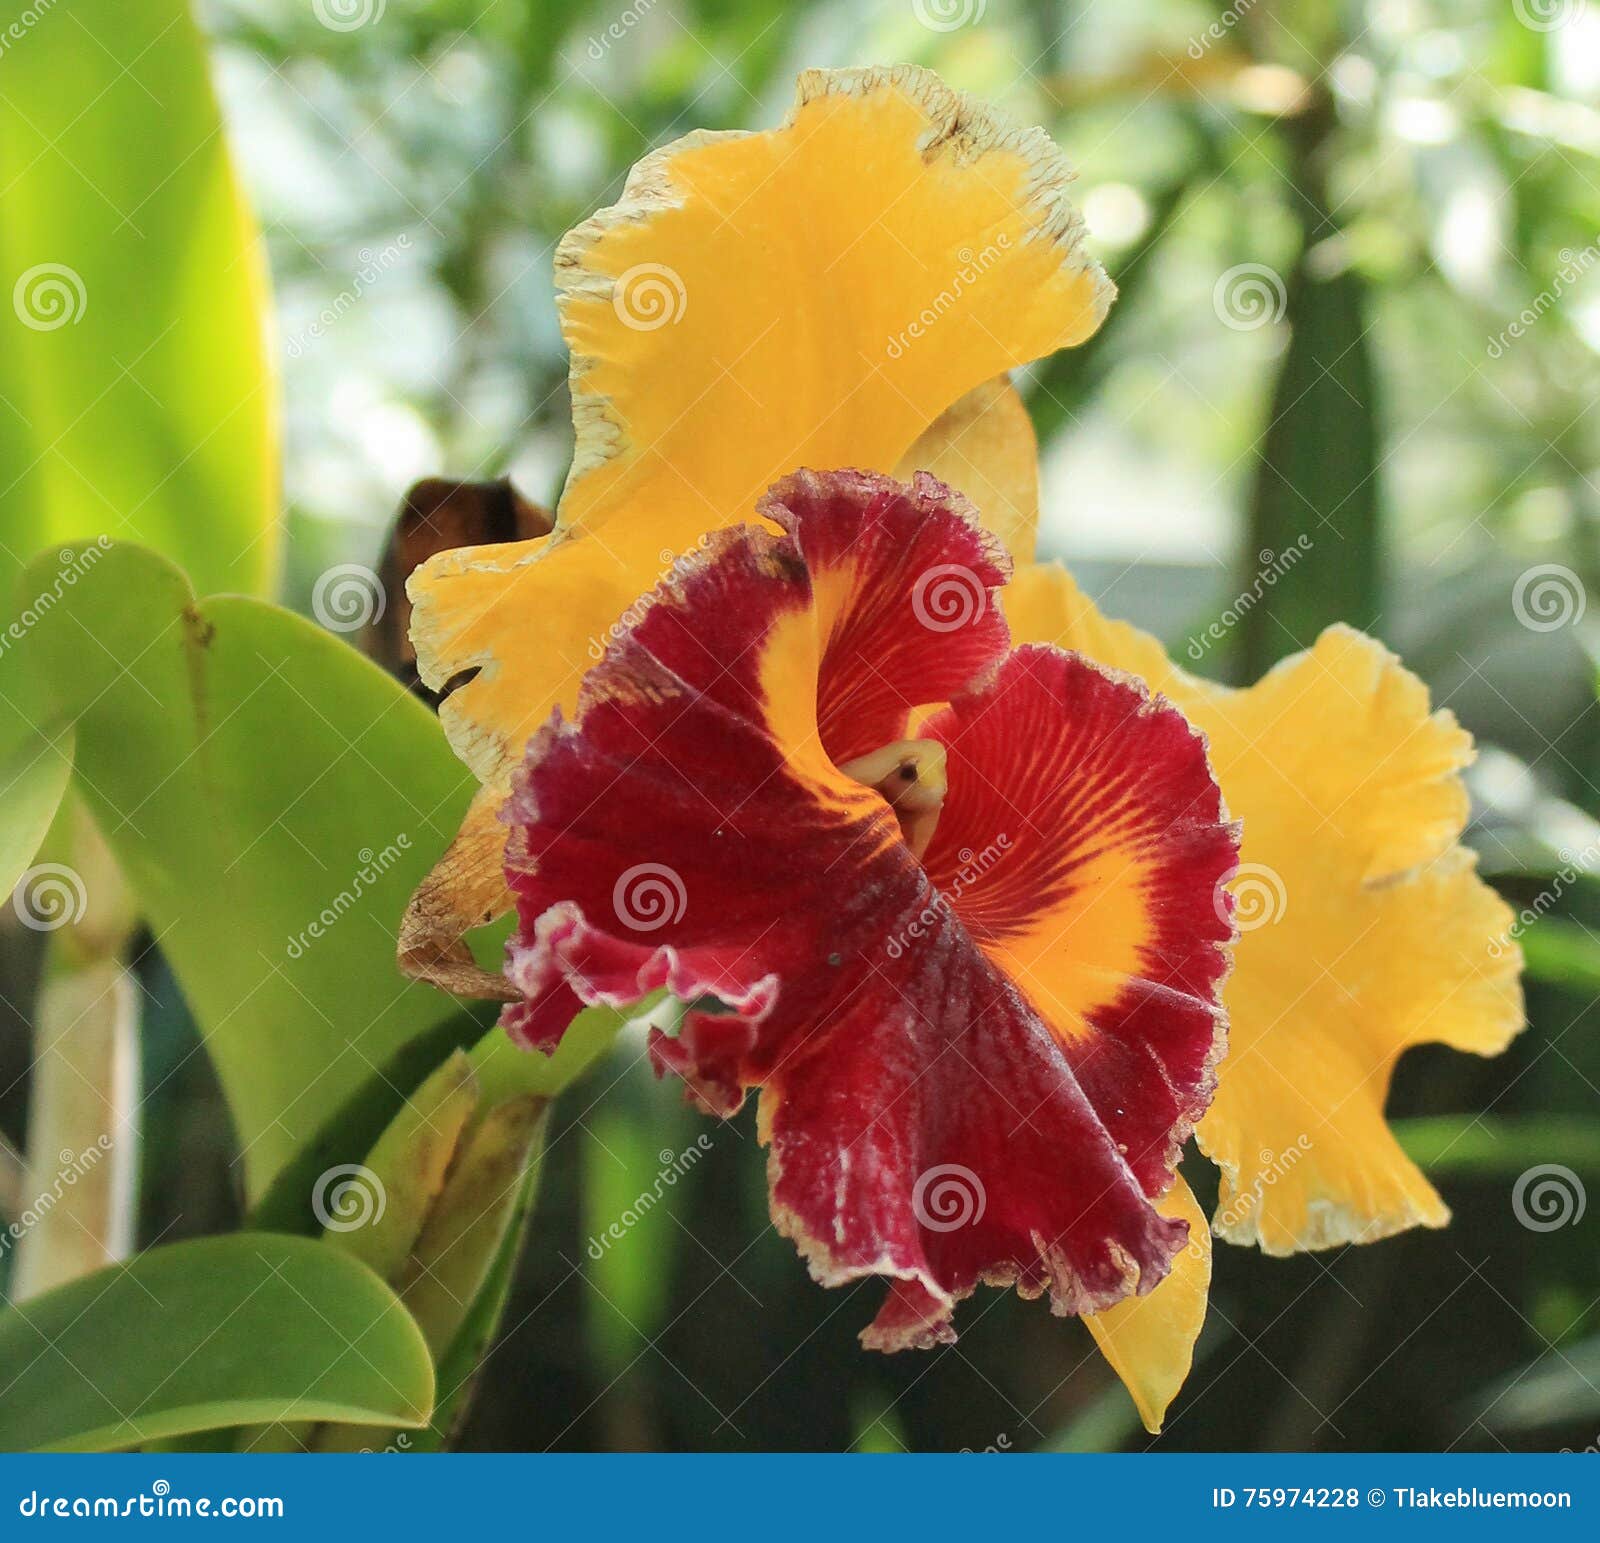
pixel 1316 495
pixel 33 778
pixel 438 1204
pixel 457 1257
pixel 408 1167
pixel 273 799
pixel 253 1326
pixel 138 399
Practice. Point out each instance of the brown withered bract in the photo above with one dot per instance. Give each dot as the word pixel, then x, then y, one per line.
pixel 438 515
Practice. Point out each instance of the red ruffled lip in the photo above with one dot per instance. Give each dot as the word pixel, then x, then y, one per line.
pixel 1036 1033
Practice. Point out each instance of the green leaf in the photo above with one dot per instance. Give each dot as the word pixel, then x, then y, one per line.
pixel 138 399
pixel 458 1367
pixel 33 778
pixel 1315 488
pixel 408 1167
pixel 1562 1385
pixel 455 1258
pixel 221 1331
pixel 1453 1144
pixel 1565 953
pixel 273 799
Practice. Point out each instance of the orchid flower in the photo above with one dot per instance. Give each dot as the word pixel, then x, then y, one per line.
pixel 959 898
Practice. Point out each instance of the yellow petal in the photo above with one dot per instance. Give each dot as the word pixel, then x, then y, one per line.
pixel 985 448
pixel 1150 1340
pixel 815 295
pixel 1364 927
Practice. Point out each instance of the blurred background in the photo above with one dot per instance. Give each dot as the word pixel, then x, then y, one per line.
pixel 1356 245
